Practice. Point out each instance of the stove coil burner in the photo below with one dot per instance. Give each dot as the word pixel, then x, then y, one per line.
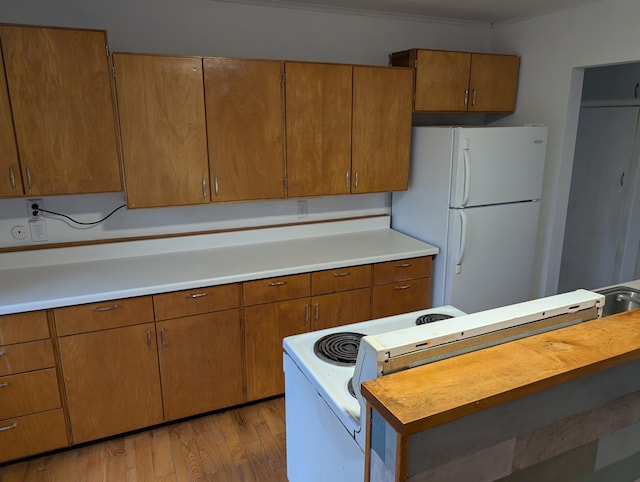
pixel 338 348
pixel 431 317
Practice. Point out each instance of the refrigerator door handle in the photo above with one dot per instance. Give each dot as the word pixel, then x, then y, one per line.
pixel 463 240
pixel 467 176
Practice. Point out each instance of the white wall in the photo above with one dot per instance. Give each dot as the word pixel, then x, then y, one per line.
pixel 206 27
pixel 555 49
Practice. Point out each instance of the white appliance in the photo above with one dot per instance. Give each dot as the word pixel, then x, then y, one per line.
pixel 475 193
pixel 324 408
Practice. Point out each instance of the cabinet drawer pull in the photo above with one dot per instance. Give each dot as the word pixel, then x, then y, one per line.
pixel 105 308
pixel 306 312
pixel 5 384
pixel 402 287
pixel 29 177
pixel 277 283
pixel 317 310
pixel 403 265
pixel 9 427
pixel 341 275
pixel 12 178
pixel 198 295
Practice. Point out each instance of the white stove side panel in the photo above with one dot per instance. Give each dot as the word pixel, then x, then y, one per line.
pixel 319 448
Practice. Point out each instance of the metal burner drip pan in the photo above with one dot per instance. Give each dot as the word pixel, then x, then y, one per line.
pixel 431 317
pixel 338 348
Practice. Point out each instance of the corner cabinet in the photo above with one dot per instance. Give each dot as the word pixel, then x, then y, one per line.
pixel 449 81
pixel 60 92
pixel 163 127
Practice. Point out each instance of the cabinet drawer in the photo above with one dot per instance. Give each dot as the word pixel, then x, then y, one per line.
pixel 100 316
pixel 32 434
pixel 342 279
pixel 402 269
pixel 24 357
pixel 28 393
pixel 276 289
pixel 395 298
pixel 197 301
pixel 23 327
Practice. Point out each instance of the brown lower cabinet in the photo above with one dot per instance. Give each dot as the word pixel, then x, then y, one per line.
pixel 112 381
pixel 201 363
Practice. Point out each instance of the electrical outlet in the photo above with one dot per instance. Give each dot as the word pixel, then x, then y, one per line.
pixel 38 230
pixel 303 209
pixel 32 212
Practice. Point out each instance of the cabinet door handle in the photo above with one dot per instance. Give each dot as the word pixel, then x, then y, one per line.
pixel 317 311
pixel 215 185
pixel 100 309
pixel 277 283
pixel 162 338
pixel 402 287
pixel 5 384
pixel 198 295
pixel 341 275
pixel 9 427
pixel 204 187
pixel 149 340
pixel 403 265
pixel 473 102
pixel 306 312
pixel 347 180
pixel 357 176
pixel 466 97
pixel 12 178
pixel 29 177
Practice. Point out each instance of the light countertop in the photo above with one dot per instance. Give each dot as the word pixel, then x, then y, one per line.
pixel 52 278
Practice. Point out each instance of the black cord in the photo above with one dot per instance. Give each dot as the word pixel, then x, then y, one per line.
pixel 80 222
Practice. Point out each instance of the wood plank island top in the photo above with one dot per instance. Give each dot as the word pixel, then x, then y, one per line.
pixel 424 397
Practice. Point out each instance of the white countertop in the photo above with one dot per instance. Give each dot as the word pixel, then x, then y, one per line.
pixel 52 278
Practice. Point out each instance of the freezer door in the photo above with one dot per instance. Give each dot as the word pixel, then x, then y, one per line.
pixel 493 165
pixel 491 255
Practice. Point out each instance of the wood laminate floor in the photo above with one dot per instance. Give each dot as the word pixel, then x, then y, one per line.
pixel 243 444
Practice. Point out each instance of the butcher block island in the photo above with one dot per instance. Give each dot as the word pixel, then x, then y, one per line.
pixel 131 334
pixel 558 406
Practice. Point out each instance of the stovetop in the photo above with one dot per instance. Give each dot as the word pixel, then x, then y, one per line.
pixel 331 380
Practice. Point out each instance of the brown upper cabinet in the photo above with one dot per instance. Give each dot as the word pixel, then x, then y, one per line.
pixel 163 128
pixel 381 134
pixel 448 81
pixel 245 127
pixel 348 128
pixel 60 93
pixel 10 177
pixel 318 99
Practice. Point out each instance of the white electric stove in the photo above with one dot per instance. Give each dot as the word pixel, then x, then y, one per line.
pixel 324 370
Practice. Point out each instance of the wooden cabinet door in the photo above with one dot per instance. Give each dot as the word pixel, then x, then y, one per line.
pixel 112 381
pixel 340 308
pixel 245 126
pixel 442 81
pixel 318 100
pixel 10 177
pixel 164 134
pixel 61 97
pixel 382 104
pixel 201 363
pixel 265 327
pixel 493 83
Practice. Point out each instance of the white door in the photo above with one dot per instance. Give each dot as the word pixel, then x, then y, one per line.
pixel 491 255
pixel 493 165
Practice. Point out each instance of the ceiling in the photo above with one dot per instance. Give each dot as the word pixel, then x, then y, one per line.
pixel 484 12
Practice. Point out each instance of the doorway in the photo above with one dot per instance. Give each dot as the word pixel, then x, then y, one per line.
pixel 601 242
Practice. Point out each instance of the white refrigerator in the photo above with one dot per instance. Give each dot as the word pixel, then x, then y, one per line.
pixel 475 193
